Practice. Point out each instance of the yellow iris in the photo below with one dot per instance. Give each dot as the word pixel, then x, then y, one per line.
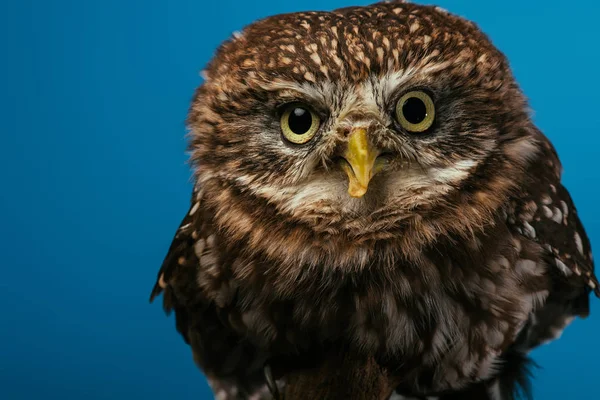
pixel 299 123
pixel 415 111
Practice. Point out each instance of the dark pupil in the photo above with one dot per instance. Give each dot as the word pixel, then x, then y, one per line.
pixel 414 110
pixel 300 121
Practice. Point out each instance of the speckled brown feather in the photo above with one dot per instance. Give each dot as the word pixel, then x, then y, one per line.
pixel 466 253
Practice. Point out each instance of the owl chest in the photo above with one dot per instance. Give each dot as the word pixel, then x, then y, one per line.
pixel 443 322
pixel 443 335
pixel 442 342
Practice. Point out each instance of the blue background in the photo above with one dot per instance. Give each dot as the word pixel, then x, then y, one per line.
pixel 94 178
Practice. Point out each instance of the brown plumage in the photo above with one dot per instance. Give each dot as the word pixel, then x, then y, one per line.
pixel 455 253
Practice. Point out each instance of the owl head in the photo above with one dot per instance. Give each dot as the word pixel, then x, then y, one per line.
pixel 393 121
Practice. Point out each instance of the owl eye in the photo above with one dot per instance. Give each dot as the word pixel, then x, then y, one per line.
pixel 415 111
pixel 299 123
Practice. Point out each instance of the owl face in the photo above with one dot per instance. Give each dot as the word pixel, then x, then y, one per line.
pixel 362 120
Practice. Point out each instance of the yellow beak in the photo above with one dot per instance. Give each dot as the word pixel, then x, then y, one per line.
pixel 359 162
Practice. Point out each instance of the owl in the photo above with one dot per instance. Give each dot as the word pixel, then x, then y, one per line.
pixel 374 214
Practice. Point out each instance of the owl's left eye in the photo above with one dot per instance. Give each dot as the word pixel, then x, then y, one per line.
pixel 415 111
pixel 299 123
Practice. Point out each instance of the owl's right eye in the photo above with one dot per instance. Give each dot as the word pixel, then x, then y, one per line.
pixel 299 123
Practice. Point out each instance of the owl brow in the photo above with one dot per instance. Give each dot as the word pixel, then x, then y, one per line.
pixel 299 93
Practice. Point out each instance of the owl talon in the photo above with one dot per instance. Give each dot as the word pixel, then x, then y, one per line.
pixel 271 384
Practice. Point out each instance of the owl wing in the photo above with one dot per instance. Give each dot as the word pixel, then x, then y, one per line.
pixel 180 262
pixel 547 215
pixel 543 213
pixel 231 364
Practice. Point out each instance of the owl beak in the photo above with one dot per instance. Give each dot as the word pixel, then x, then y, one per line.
pixel 359 162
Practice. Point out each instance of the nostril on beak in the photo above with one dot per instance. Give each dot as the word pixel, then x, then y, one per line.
pixel 345 131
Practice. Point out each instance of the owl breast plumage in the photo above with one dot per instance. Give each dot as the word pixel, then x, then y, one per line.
pixel 370 177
